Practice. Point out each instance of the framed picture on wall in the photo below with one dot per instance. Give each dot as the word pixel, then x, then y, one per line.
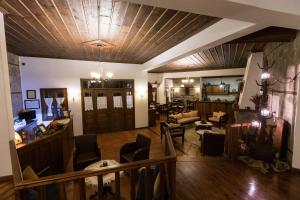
pixel 32 104
pixel 31 94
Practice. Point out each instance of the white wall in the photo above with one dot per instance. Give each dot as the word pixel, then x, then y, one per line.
pixel 296 147
pixel 252 74
pixel 6 116
pixel 59 73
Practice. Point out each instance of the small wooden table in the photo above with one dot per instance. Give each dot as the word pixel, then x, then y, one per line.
pixel 203 125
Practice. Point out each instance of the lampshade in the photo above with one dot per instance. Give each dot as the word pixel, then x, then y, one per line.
pixel 265 112
pixel 255 124
pixel 18 139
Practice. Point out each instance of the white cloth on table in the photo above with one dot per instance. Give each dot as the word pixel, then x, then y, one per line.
pixel 88 103
pixel 101 103
pixel 107 178
pixel 117 102
pixel 59 101
pixel 129 101
pixel 48 102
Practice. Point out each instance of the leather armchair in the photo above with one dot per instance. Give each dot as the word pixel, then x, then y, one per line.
pixel 212 144
pixel 222 120
pixel 134 151
pixel 86 151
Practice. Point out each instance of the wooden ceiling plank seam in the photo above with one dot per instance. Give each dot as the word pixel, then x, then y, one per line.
pixel 153 36
pixel 241 53
pixel 20 41
pixel 66 27
pixel 75 22
pixel 110 50
pixel 236 48
pixel 163 21
pixel 88 50
pixel 197 61
pixel 130 29
pixel 182 28
pixel 218 56
pixel 215 62
pixel 189 33
pixel 190 60
pixel 36 18
pixel 200 61
pixel 229 54
pixel 150 29
pixel 129 17
pixel 10 16
pixel 204 58
pixel 50 20
pixel 222 50
pixel 209 58
pixel 8 28
pixel 136 35
pixel 46 44
pixel 158 41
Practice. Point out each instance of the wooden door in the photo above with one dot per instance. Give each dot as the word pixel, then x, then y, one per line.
pixel 117 106
pixel 102 110
pixel 88 112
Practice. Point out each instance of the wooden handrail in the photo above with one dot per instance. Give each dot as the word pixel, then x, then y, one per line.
pixel 169 161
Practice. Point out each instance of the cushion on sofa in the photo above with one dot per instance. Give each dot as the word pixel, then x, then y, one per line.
pixel 214 119
pixel 177 116
pixel 29 173
pixel 215 114
pixel 193 113
pixel 187 120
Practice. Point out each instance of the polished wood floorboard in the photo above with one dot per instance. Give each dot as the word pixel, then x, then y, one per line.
pixel 212 178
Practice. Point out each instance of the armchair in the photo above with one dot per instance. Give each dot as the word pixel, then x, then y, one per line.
pixel 217 117
pixel 176 130
pixel 86 151
pixel 134 151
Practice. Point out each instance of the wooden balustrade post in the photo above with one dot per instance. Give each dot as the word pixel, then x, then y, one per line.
pixel 82 191
pixel 172 179
pixel 133 174
pixel 117 185
pixel 100 187
pixel 148 194
pixel 162 181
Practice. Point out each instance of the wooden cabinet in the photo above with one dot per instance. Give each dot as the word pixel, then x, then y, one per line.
pixel 108 109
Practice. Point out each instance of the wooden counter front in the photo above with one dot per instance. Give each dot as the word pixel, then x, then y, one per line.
pixel 206 107
pixel 55 150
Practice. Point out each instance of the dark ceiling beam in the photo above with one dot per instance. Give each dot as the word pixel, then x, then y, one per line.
pixel 270 34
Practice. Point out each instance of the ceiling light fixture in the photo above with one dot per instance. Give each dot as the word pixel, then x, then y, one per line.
pixel 100 77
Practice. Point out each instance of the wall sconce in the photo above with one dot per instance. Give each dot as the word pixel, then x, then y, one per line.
pixel 176 89
pixel 73 94
pixel 181 85
pixel 197 90
pixel 265 76
pixel 255 124
pixel 222 84
pixel 265 112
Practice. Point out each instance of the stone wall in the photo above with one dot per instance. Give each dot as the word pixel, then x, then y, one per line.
pixel 15 83
pixel 286 58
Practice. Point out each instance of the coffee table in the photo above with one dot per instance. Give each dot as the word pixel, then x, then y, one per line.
pixel 200 125
pixel 107 178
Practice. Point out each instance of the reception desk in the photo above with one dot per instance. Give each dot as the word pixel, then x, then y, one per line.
pixel 206 107
pixel 54 150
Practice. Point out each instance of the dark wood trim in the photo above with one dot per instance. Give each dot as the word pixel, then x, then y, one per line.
pixel 6 178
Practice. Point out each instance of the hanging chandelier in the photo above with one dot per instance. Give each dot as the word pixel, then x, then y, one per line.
pixel 100 76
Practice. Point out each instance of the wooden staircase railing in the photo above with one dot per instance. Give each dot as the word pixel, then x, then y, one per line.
pixel 72 184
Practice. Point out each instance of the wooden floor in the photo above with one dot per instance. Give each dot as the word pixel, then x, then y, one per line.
pixel 208 177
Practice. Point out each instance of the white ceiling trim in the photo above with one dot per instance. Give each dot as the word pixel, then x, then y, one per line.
pixel 221 32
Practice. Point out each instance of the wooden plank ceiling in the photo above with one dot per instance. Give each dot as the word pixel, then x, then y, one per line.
pixel 230 55
pixel 130 33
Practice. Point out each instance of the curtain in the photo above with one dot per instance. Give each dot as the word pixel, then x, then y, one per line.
pixel 88 103
pixel 117 102
pixel 129 101
pixel 48 102
pixel 101 103
pixel 59 101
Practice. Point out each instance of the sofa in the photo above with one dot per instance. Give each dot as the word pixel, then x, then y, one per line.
pixel 218 117
pixel 184 118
